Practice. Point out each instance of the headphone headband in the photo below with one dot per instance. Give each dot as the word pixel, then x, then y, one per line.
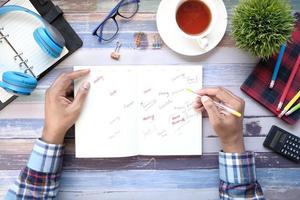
pixel 54 33
pixel 9 8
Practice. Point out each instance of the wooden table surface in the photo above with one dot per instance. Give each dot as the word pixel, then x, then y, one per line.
pixel 176 178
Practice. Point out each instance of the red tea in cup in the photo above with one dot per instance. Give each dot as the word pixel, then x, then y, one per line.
pixel 193 17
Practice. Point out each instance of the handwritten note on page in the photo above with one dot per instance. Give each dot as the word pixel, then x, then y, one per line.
pixel 139 110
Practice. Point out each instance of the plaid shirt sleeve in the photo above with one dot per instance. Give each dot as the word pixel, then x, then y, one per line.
pixel 238 177
pixel 40 178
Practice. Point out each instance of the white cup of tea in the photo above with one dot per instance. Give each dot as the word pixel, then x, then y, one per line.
pixel 195 19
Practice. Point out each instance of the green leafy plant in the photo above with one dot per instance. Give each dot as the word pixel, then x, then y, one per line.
pixel 261 26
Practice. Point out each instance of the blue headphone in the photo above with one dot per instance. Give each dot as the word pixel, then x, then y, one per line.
pixel 49 40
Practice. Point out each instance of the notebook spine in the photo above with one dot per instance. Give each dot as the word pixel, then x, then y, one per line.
pixel 23 63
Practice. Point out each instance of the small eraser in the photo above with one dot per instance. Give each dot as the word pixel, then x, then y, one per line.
pixel 272 84
pixel 279 106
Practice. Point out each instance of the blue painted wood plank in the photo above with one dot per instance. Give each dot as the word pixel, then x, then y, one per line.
pixel 146 6
pixel 160 179
pixel 16 159
pixel 171 184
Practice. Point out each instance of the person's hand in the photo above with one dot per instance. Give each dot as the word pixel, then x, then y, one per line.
pixel 228 127
pixel 61 111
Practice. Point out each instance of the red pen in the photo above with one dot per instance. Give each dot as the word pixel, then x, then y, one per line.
pixel 289 83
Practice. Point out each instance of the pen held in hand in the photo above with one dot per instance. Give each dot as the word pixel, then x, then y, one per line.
pixel 230 110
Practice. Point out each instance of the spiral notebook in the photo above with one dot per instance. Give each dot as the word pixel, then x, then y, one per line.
pixel 18 49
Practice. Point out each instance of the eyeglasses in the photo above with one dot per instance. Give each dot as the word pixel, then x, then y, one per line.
pixel 109 27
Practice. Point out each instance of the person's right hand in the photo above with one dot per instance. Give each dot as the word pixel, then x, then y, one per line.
pixel 228 127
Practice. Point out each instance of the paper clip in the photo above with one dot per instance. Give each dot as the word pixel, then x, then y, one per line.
pixel 116 55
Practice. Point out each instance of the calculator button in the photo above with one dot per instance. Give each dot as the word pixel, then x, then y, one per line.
pixel 298 158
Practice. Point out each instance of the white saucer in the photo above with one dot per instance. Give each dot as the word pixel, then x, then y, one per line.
pixel 176 41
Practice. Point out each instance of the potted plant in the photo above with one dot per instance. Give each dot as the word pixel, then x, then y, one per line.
pixel 262 26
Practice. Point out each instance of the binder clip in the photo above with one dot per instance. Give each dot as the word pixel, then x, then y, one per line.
pixel 156 42
pixel 140 40
pixel 116 55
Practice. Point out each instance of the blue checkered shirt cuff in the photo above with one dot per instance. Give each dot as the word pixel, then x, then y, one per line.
pixel 237 168
pixel 46 157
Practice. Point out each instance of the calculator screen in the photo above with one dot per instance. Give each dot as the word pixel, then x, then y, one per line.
pixel 276 138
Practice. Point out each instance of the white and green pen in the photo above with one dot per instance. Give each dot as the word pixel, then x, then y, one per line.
pixel 230 110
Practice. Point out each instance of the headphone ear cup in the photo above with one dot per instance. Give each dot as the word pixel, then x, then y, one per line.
pixel 18 83
pixel 47 43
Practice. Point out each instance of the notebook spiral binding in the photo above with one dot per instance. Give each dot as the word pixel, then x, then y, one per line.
pixel 23 62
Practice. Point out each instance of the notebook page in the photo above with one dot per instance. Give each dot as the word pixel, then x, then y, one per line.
pixel 7 62
pixel 20 27
pixel 107 124
pixel 167 122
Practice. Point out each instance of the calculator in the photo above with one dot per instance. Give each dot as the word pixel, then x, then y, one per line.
pixel 284 143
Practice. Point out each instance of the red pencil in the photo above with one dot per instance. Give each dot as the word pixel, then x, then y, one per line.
pixel 289 83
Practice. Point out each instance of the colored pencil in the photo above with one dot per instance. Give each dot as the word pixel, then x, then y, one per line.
pixel 277 66
pixel 230 110
pixel 290 104
pixel 293 109
pixel 289 83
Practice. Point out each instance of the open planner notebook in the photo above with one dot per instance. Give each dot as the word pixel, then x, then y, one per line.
pixel 139 110
pixel 18 47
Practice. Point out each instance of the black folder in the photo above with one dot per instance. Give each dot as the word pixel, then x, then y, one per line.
pixel 54 15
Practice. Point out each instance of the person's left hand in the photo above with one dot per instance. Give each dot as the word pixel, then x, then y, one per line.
pixel 61 112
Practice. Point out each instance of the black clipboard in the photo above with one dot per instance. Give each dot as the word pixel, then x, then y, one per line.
pixel 54 15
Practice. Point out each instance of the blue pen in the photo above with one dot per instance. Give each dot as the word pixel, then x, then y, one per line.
pixel 277 66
